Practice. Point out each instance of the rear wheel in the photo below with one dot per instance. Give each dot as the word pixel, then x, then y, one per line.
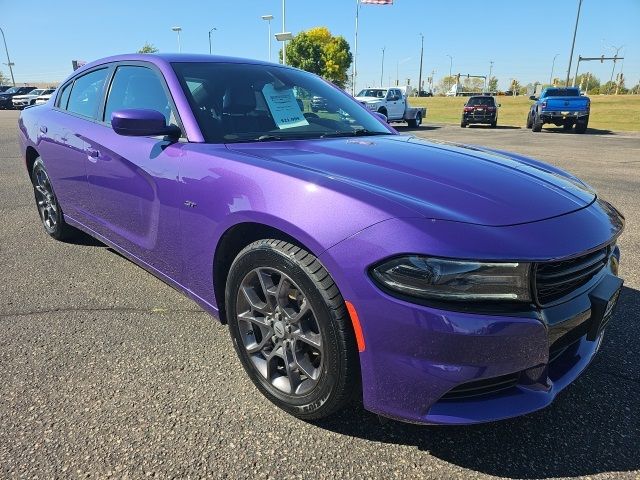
pixel 529 121
pixel 581 125
pixel 463 124
pixel 291 329
pixel 494 124
pixel 537 123
pixel 47 203
pixel 566 126
pixel 415 122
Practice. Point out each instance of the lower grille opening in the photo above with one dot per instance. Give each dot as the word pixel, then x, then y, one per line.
pixel 482 387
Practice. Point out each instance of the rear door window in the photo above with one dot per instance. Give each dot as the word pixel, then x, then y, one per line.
pixel 86 93
pixel 63 97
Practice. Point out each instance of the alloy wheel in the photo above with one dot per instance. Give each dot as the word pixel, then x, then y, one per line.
pixel 46 200
pixel 280 331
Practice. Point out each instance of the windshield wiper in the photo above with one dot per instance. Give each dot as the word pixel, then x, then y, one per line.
pixel 268 138
pixel 354 133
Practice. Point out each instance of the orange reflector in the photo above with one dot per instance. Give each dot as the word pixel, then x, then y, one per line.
pixel 357 329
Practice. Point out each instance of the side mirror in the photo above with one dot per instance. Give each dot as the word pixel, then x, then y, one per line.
pixel 499 105
pixel 380 116
pixel 533 97
pixel 140 122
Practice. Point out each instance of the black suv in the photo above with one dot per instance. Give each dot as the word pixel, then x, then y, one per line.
pixel 7 96
pixel 480 109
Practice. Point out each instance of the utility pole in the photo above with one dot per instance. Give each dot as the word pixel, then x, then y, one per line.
pixel 573 43
pixel 421 55
pixel 450 66
pixel 382 71
pixel 9 64
pixel 617 49
pixel 284 44
pixel 553 64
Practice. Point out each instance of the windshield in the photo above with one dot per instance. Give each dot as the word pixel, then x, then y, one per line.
pixel 562 92
pixel 36 92
pixel 247 103
pixel 12 90
pixel 372 92
pixel 485 101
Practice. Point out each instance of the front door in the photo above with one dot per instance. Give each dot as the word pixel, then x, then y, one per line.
pixel 133 181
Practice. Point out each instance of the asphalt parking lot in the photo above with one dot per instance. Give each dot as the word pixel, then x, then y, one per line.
pixel 106 371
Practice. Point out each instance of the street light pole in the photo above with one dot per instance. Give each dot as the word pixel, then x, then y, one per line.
pixel 421 55
pixel 617 49
pixel 210 47
pixel 450 66
pixel 573 43
pixel 178 30
pixel 489 77
pixel 284 43
pixel 268 18
pixel 382 71
pixel 354 73
pixel 553 64
pixel 9 64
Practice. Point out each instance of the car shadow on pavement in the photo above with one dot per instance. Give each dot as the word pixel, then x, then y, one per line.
pixel 590 131
pixel 497 127
pixel 83 239
pixel 592 427
pixel 406 128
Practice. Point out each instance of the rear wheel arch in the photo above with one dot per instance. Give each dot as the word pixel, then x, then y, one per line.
pixel 30 158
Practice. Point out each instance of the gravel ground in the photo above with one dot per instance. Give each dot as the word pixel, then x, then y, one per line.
pixel 105 371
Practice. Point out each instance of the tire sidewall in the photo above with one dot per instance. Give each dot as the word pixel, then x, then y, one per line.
pixel 55 232
pixel 309 403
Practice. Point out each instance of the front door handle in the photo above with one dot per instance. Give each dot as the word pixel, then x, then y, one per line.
pixel 43 128
pixel 93 153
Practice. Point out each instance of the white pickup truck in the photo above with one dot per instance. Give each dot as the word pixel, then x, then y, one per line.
pixel 393 104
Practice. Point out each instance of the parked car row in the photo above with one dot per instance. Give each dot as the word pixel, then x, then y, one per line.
pixel 20 97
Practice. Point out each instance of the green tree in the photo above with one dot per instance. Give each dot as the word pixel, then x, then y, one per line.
pixel 148 48
pixel 445 83
pixel 3 79
pixel 493 84
pixel 319 52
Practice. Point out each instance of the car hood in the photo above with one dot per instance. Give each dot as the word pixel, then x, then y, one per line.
pixel 437 180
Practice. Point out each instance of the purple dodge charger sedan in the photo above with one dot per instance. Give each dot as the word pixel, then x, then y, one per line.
pixel 440 283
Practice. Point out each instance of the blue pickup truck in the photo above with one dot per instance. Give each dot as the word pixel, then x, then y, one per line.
pixel 564 107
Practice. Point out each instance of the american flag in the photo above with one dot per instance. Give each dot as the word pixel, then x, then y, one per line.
pixel 378 2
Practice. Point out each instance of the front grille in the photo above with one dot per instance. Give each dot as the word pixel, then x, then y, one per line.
pixel 554 280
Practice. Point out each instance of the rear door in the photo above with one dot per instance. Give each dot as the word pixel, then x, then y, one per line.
pixel 64 131
pixel 133 181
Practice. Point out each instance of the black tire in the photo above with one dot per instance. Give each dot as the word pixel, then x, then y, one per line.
pixel 415 122
pixel 463 124
pixel 529 121
pixel 581 125
pixel 338 378
pixel 566 126
pixel 537 124
pixel 47 204
pixel 383 111
pixel 494 124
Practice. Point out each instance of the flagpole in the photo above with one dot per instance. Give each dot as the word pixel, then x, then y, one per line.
pixel 355 54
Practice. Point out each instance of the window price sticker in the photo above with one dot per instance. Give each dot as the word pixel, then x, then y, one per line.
pixel 284 107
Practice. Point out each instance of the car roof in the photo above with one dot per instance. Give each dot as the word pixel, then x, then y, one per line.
pixel 163 60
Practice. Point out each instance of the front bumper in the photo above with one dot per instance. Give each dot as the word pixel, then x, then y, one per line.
pixel 479 117
pixel 428 365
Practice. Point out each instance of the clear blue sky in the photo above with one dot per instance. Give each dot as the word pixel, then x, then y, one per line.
pixel 521 37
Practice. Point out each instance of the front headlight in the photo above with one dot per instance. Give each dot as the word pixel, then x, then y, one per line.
pixel 455 280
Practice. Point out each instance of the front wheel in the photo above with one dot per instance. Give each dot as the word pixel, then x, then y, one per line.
pixel 47 203
pixel 291 329
pixel 463 124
